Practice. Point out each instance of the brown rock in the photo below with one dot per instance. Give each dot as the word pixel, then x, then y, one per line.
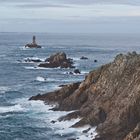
pixel 57 60
pixel 108 98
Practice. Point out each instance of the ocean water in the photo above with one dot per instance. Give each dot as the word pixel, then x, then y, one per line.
pixel 21 119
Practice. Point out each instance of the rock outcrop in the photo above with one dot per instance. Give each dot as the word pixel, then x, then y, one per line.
pixel 57 60
pixel 84 58
pixel 108 98
pixel 33 44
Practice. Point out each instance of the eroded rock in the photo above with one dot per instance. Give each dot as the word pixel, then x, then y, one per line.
pixel 108 98
pixel 57 60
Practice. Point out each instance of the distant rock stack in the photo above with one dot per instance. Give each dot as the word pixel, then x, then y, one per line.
pixel 57 60
pixel 33 44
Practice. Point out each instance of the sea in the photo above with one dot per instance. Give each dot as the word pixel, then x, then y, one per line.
pixel 21 119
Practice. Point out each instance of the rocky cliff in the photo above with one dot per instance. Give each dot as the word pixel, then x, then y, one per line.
pixel 108 98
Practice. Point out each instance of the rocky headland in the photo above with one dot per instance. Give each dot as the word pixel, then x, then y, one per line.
pixel 108 99
pixel 57 60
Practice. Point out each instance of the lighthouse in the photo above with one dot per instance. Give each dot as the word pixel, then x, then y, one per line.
pixel 34 40
pixel 33 44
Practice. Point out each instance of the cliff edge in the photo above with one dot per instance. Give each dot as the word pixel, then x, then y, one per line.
pixel 108 98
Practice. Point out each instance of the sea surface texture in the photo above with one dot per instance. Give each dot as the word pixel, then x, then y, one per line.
pixel 21 119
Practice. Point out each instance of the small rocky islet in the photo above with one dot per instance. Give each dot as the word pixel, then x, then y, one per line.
pixel 58 60
pixel 54 61
pixel 108 99
pixel 33 44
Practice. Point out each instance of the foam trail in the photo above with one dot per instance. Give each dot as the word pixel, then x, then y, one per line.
pixel 29 59
pixel 27 48
pixel 3 89
pixel 15 108
pixel 40 68
pixel 41 79
pixel 76 58
pixel 43 112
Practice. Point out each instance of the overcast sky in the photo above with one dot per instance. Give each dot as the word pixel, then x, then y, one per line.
pixel 82 16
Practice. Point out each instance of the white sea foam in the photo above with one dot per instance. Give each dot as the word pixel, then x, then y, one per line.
pixel 76 58
pixel 45 79
pixel 82 73
pixel 3 89
pixel 15 108
pixel 36 106
pixel 33 58
pixel 26 48
pixel 64 127
pixel 37 109
pixel 41 79
pixel 39 68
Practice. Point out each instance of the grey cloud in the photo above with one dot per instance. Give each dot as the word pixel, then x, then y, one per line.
pixel 40 5
pixel 77 2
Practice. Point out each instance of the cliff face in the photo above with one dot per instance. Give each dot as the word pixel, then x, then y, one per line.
pixel 108 98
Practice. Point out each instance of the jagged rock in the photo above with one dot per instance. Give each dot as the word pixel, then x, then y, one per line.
pixel 108 98
pixel 84 58
pixel 135 134
pixel 85 131
pixel 77 71
pixel 53 121
pixel 32 46
pixel 57 60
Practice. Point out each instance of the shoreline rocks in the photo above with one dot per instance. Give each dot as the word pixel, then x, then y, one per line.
pixel 57 60
pixel 108 99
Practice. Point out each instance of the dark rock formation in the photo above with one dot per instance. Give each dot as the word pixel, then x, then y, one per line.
pixel 53 121
pixel 57 60
pixel 95 61
pixel 85 131
pixel 84 58
pixel 108 98
pixel 33 44
pixel 77 71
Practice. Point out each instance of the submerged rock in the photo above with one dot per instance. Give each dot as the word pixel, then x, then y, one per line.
pixel 95 61
pixel 57 60
pixel 84 58
pixel 77 71
pixel 33 44
pixel 108 98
